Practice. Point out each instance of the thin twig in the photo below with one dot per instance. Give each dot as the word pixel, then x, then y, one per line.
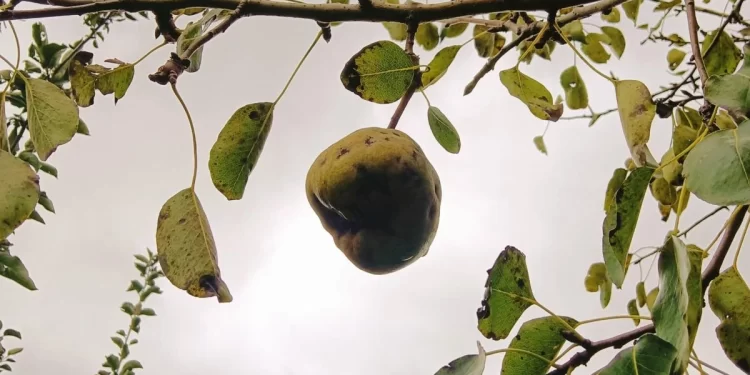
pixel 704 218
pixel 531 29
pixel 694 45
pixel 710 273
pixel 416 81
pixel 166 26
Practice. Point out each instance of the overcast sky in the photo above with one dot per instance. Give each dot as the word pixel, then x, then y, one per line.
pixel 299 306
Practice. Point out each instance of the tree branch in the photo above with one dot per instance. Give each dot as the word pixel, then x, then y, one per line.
pixel 709 274
pixel 416 81
pixel 328 12
pixel 531 29
pixel 693 31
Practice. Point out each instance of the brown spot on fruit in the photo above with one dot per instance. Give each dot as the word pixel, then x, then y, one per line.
pixel 369 141
pixel 182 221
pixel 342 152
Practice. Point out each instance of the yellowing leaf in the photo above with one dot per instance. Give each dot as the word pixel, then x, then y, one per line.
pixel 616 39
pixel 612 17
pixel 379 72
pixel 439 65
pixel 675 57
pixel 116 81
pixel 396 30
pixel 19 192
pixel 729 297
pixel 576 95
pixel 541 336
pixel 52 116
pixel 454 30
pixel 637 112
pixel 723 57
pixel 532 93
pixel 484 42
pixel 443 130
pixel 594 50
pixel 186 248
pixel 506 280
pixel 427 36
pixel 574 31
pixel 237 149
pixel 539 143
pixel 82 83
pixel 631 8
pixel 633 312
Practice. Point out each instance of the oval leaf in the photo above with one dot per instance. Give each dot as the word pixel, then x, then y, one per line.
pixel 238 147
pixel 650 356
pixel 637 111
pixel 576 95
pixel 439 65
pixel 621 220
pixel 731 92
pixel 443 130
pixel 484 42
pixel 500 309
pixel 52 116
pixel 19 192
pixel 729 297
pixel 675 57
pixel 716 170
pixel 453 30
pixel 723 57
pixel 12 268
pixel 471 364
pixel 396 30
pixel 186 248
pixel 379 72
pixel 427 36
pixel 532 93
pixel 542 336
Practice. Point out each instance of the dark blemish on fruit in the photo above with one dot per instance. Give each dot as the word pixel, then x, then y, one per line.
pixel 323 162
pixel 369 141
pixel 398 159
pixel 387 139
pixel 254 115
pixel 414 155
pixel 182 221
pixel 342 152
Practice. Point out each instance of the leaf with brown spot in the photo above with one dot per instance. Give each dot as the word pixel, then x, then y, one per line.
pixel 532 93
pixel 238 147
pixel 541 336
pixel 380 72
pixel 186 249
pixel 506 280
pixel 19 192
pixel 729 298
pixel 637 111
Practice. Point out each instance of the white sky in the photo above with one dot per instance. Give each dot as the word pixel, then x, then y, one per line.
pixel 299 306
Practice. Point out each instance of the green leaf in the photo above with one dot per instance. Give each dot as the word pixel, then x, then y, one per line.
pixel 82 83
pixel 135 285
pixel 116 81
pixel 131 365
pixel 396 30
pixel 616 39
pixel 542 336
pixel 427 36
pixel 716 170
pixel 186 248
pixel 614 185
pixel 117 341
pixel 453 30
pixel 6 367
pixel 729 297
pixel 45 202
pixel 532 93
pixel 631 8
pixel 731 92
pixel 37 217
pixel 688 117
pixel 127 308
pixel 594 49
pixel 48 168
pixel 695 292
pixel 663 191
pixel 650 356
pixel 12 333
pixel 621 220
pixel 612 17
pixel 121 332
pixel 148 312
pixel 19 193
pixel 637 111
pixel 724 57
pixel 192 31
pixel 82 128
pixel 52 116
pixel 439 65
pixel 238 147
pixel 14 351
pixel 443 130
pixel 112 361
pixel 379 72
pixel 671 306
pixel 539 143
pixel 633 311
pixel 640 293
pixel 470 364
pixel 682 137
pixel 30 158
pixel 574 31
pixel 507 279
pixel 484 42
pixel 12 268
pixel 666 5
pixel 576 95
pixel 675 57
